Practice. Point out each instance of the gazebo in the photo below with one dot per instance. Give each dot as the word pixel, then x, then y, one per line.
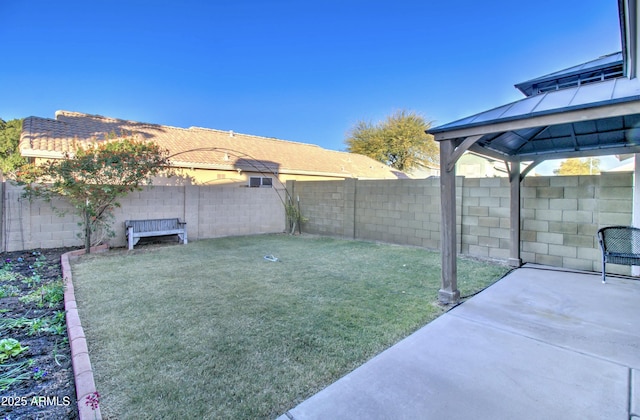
pixel 592 109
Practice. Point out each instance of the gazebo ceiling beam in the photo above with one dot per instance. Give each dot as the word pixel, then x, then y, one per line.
pixel 560 154
pixel 460 149
pixel 536 134
pixel 530 167
pixel 572 133
pixel 584 152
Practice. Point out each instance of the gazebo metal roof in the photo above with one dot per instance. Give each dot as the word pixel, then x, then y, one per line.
pixel 602 68
pixel 592 119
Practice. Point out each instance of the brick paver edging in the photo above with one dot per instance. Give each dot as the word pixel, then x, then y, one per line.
pixel 82 372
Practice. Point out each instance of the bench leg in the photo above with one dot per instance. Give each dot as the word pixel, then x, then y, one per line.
pixel 604 278
pixel 130 238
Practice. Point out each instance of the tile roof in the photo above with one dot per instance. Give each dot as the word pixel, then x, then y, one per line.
pixel 198 147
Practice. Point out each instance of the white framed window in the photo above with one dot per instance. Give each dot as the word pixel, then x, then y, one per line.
pixel 260 181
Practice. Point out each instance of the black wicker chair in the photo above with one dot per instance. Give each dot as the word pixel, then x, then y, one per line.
pixel 619 245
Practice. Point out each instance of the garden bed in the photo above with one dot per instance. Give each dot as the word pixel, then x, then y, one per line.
pixel 36 376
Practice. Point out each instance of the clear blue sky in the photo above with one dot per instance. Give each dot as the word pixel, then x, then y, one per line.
pixel 305 71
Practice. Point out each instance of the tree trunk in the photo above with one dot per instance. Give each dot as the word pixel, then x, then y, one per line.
pixel 87 232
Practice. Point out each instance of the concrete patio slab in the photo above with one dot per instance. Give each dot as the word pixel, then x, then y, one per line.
pixel 569 309
pixel 540 343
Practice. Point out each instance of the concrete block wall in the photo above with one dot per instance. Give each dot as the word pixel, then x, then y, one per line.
pixel 485 217
pixel 27 223
pixel 559 215
pixel 233 210
pixel 400 211
pixel 210 211
pixel 323 204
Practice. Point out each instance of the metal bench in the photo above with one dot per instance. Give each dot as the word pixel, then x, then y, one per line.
pixel 619 245
pixel 137 229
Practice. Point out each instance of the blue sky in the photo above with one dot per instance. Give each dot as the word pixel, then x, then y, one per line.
pixel 305 71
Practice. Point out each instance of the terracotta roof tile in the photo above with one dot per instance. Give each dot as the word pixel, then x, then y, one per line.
pixel 197 147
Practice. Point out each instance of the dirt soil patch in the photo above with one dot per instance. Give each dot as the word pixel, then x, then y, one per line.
pixel 36 375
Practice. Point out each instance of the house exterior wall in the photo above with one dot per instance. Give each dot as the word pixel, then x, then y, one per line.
pixel 201 176
pixel 210 211
pixel 223 177
pixel 473 166
pixel 559 220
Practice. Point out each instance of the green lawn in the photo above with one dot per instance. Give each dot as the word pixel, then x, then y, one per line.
pixel 213 330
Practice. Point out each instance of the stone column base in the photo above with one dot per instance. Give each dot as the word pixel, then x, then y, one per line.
pixel 515 262
pixel 448 297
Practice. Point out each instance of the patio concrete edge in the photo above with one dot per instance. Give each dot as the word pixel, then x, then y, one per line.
pixel 82 371
pixel 635 394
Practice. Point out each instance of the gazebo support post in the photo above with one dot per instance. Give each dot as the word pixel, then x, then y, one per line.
pixel 635 215
pixel 449 293
pixel 514 206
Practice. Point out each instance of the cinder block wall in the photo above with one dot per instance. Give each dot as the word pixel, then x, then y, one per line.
pixel 402 211
pixel 395 211
pixel 399 211
pixel 210 211
pixel 232 211
pixel 559 216
pixel 485 217
pixel 324 205
pixel 23 221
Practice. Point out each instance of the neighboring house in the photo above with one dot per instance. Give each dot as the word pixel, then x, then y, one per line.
pixel 472 165
pixel 202 155
pixel 629 165
pixel 426 171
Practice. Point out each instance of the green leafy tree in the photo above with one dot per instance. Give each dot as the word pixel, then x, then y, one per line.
pixel 399 141
pixel 93 178
pixel 10 158
pixel 577 166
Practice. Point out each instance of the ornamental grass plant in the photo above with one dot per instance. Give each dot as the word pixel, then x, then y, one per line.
pixel 214 329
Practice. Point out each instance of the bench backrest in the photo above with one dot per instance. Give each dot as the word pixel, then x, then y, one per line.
pixel 620 239
pixel 153 225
